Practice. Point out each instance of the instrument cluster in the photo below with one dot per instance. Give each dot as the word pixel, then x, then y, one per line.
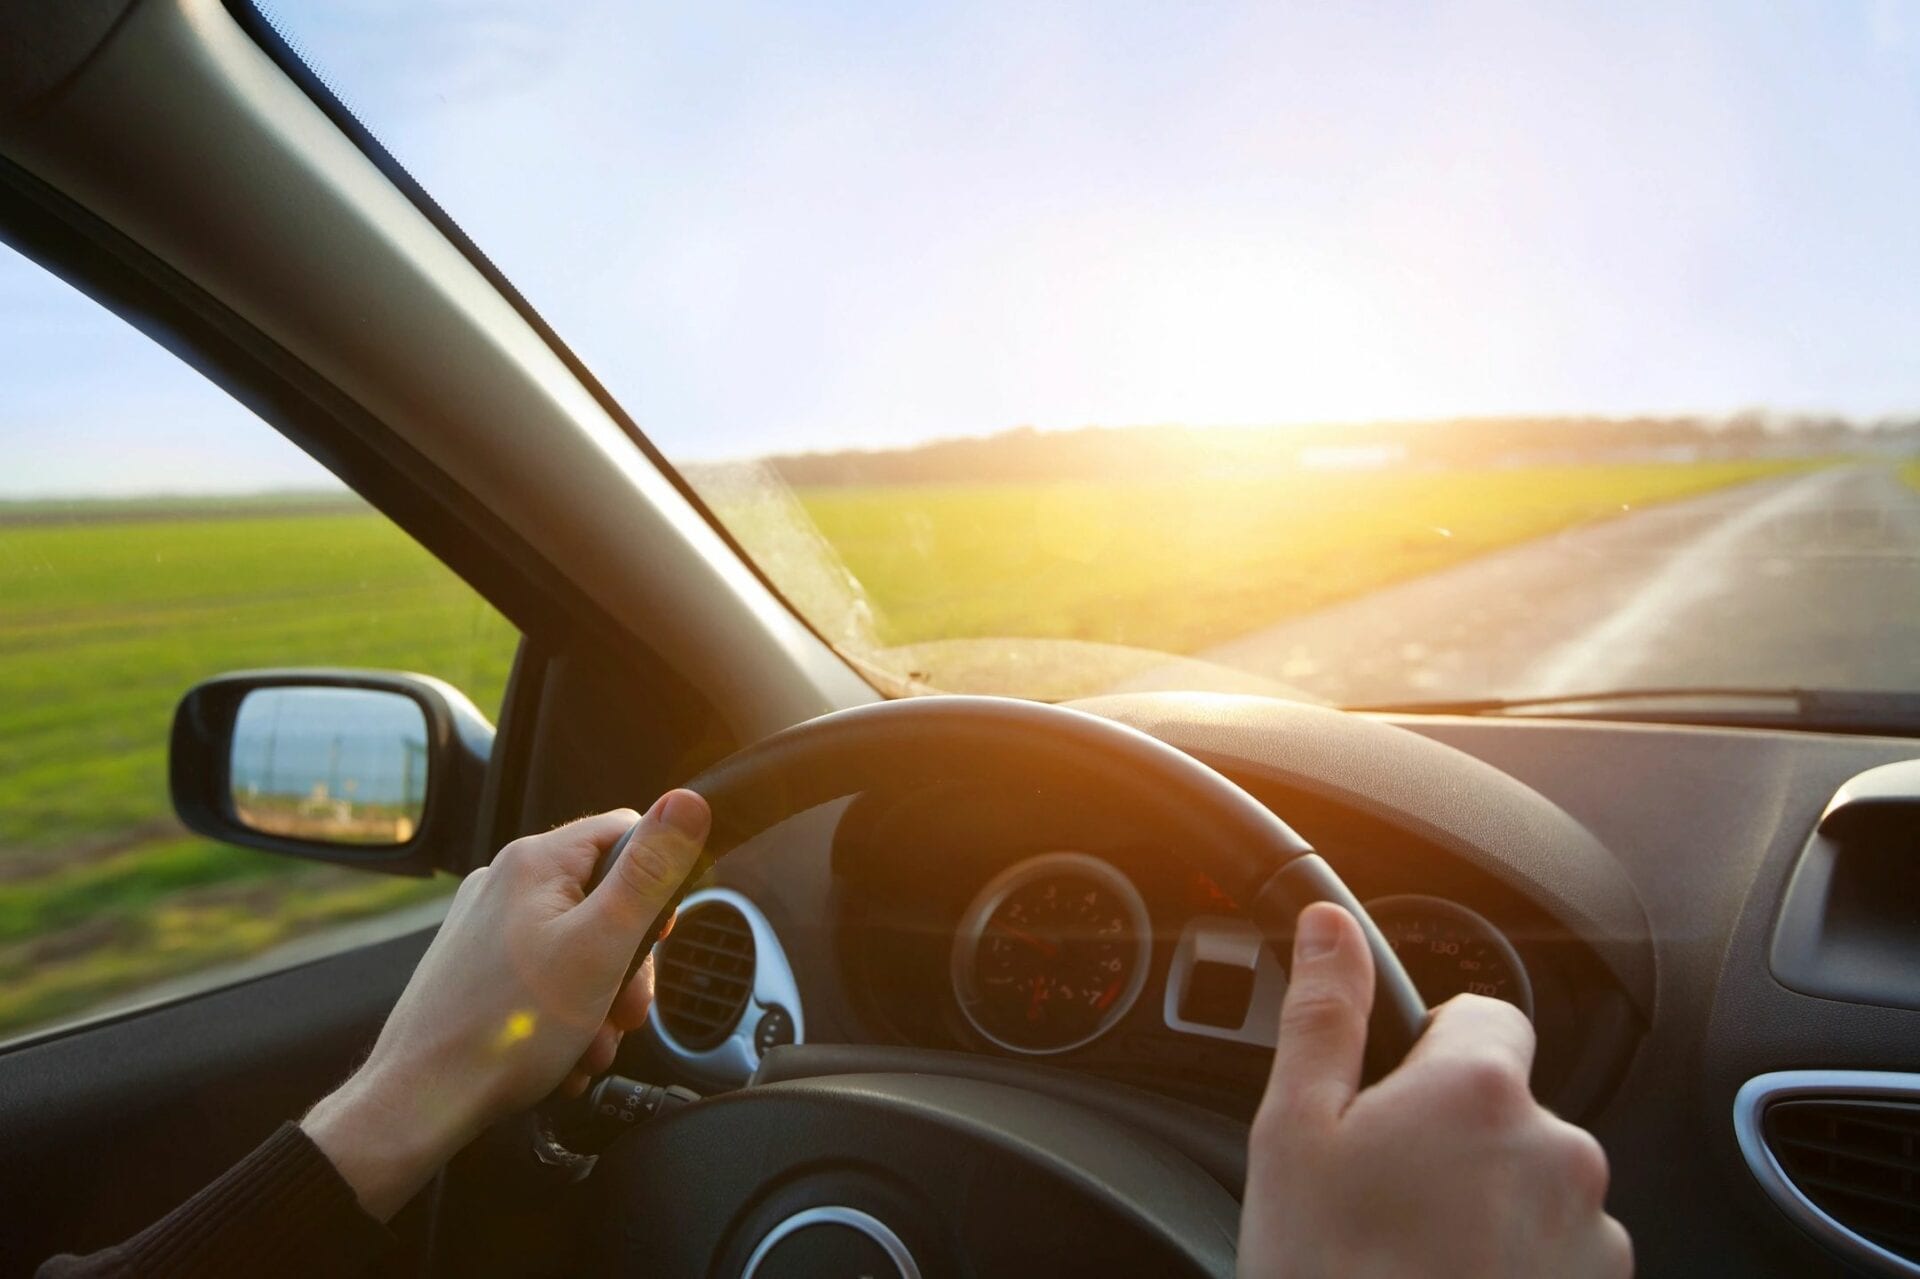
pixel 1055 950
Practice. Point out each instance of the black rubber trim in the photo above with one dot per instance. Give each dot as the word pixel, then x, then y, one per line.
pixel 502 802
pixel 293 63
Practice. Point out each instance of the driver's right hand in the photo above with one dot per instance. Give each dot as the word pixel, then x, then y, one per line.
pixel 1447 1166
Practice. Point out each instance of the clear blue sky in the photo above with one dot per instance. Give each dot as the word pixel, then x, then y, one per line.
pixel 776 226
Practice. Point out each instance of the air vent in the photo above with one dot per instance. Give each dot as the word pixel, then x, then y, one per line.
pixel 1839 1152
pixel 1858 1160
pixel 703 975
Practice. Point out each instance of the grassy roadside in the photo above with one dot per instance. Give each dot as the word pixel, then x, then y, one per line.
pixel 1176 567
pixel 156 931
pixel 108 615
pixel 107 623
pixel 106 620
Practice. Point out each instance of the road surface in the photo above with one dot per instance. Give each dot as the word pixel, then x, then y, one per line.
pixel 1809 581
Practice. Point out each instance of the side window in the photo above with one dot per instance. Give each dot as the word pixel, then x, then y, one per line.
pixel 153 533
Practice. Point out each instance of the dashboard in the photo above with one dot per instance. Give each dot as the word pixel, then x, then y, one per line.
pixel 1016 926
pixel 1067 938
pixel 1622 884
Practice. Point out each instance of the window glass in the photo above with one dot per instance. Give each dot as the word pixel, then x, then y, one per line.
pixel 1374 353
pixel 153 533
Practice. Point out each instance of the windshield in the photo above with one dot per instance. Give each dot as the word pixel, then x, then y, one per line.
pixel 1371 353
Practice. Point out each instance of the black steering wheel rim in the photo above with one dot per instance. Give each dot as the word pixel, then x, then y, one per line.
pixel 1216 827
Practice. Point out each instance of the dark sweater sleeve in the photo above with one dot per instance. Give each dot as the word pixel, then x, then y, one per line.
pixel 284 1210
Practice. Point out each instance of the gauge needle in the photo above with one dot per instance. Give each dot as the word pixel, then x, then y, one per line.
pixel 1041 944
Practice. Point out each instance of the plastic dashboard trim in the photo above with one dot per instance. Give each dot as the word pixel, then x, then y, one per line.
pixel 1749 1107
pixel 735 1058
pixel 1454 801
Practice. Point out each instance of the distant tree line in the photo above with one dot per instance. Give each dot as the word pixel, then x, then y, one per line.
pixel 1140 452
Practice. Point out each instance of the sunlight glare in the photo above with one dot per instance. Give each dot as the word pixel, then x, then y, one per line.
pixel 518 1027
pixel 1256 333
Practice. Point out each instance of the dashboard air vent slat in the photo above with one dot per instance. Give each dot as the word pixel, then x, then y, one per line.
pixel 704 975
pixel 1858 1159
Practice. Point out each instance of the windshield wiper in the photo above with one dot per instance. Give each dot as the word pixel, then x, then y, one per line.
pixel 1819 709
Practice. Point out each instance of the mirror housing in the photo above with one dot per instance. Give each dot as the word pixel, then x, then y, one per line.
pixel 440 826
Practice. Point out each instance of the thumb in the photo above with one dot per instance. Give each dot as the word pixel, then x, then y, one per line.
pixel 648 870
pixel 1323 1019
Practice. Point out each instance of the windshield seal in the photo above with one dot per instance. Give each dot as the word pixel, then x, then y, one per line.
pixel 1809 710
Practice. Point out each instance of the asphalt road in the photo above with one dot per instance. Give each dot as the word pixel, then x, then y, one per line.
pixel 1811 581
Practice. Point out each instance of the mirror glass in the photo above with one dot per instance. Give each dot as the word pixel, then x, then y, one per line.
pixel 330 765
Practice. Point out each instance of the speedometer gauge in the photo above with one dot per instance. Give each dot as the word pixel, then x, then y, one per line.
pixel 1448 950
pixel 1051 953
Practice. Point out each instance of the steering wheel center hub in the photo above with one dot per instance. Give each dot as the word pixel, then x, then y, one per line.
pixel 832 1240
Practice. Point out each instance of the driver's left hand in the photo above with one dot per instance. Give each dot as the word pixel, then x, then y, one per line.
pixel 521 994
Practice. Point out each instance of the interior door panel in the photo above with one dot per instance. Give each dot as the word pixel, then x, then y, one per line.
pixel 111 1126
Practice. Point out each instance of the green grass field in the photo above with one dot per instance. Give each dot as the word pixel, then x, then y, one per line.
pixel 107 615
pixel 106 621
pixel 1178 567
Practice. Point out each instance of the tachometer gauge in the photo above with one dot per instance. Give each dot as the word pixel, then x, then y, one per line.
pixel 1051 953
pixel 1448 950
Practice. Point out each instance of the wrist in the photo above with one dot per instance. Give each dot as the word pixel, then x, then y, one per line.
pixel 385 1139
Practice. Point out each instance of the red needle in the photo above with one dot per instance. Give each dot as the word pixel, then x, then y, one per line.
pixel 1041 944
pixel 1107 996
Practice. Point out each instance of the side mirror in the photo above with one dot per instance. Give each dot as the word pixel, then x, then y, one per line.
pixel 365 768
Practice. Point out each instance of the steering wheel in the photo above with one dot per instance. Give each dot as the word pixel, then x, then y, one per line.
pixel 906 1173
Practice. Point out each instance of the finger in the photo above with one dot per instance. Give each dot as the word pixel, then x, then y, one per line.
pixel 1613 1251
pixel 573 1086
pixel 651 867
pixel 569 852
pixel 579 845
pixel 598 1059
pixel 598 828
pixel 1582 1160
pixel 630 1007
pixel 470 889
pixel 1474 1026
pixel 1323 1019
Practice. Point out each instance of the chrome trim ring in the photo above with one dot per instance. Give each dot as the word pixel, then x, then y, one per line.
pixel 1473 920
pixel 1227 939
pixel 973 923
pixel 1750 1104
pixel 833 1215
pixel 734 1059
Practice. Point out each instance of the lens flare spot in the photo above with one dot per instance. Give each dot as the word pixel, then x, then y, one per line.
pixel 519 1026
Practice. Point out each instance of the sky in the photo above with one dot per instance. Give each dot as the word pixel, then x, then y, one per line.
pixel 773 227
